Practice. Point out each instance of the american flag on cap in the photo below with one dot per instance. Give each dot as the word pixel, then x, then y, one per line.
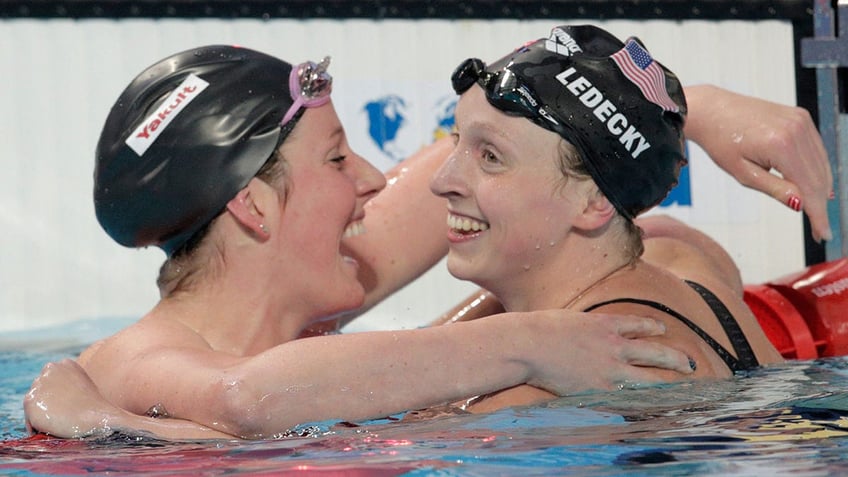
pixel 638 66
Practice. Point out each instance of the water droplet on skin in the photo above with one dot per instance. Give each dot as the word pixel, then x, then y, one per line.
pixel 526 268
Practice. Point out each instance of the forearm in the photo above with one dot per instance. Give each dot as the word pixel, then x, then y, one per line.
pixel 477 305
pixel 701 101
pixel 368 375
pixel 162 428
pixel 356 376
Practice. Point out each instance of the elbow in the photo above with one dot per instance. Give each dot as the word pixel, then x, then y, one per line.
pixel 240 410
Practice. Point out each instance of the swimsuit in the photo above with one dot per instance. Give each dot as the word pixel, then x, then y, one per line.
pixel 744 359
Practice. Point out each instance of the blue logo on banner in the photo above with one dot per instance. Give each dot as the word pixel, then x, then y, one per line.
pixel 444 117
pixel 386 116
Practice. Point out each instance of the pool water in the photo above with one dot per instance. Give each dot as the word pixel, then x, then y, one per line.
pixel 790 419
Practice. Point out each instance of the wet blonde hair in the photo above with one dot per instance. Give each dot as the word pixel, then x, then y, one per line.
pixel 572 166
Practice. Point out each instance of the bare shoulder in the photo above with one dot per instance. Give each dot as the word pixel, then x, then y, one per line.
pixel 121 362
pixel 140 338
pixel 646 282
pixel 635 290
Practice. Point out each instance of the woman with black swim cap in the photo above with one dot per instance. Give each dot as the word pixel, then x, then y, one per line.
pixel 235 164
pixel 559 146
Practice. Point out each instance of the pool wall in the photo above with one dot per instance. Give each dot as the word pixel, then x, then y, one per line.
pixel 60 77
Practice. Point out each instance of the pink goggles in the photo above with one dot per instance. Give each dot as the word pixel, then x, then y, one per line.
pixel 309 85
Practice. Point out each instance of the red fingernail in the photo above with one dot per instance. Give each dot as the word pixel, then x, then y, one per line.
pixel 794 202
pixel 832 195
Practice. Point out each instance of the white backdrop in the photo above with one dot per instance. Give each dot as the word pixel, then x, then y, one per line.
pixel 60 77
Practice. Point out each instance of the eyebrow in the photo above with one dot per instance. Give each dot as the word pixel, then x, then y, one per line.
pixel 487 126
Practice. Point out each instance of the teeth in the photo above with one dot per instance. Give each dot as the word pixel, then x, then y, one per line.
pixel 354 229
pixel 465 224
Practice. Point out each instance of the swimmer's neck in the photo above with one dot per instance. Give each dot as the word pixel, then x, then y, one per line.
pixel 557 283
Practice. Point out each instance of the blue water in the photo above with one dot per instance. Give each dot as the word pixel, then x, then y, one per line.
pixel 785 420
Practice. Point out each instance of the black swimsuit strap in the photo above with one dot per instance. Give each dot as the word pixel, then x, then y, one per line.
pixel 725 355
pixel 744 352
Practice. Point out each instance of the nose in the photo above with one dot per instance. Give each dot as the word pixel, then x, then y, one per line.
pixel 448 179
pixel 368 179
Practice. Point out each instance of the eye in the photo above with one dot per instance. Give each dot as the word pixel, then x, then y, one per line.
pixel 339 161
pixel 489 157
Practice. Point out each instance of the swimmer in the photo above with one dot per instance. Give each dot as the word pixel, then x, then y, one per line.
pixel 555 156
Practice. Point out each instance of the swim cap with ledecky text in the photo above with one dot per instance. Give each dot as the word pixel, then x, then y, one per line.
pixel 620 108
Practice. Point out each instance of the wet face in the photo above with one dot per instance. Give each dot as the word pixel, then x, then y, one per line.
pixel 508 207
pixel 327 185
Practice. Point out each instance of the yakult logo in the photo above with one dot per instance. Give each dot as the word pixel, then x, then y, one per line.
pixel 150 129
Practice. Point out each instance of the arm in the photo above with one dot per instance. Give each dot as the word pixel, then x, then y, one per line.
pixel 65 398
pixel 406 226
pixel 747 137
pixel 477 305
pixel 347 377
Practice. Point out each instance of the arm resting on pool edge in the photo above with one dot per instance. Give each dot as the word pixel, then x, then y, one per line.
pixel 491 358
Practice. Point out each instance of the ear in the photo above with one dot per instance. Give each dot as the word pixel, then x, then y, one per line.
pixel 249 208
pixel 597 211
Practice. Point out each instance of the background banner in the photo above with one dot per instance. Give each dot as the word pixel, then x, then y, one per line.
pixel 392 91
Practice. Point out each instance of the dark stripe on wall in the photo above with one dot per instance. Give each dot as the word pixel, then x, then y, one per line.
pixel 412 9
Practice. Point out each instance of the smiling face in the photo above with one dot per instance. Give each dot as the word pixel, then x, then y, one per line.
pixel 326 186
pixel 510 207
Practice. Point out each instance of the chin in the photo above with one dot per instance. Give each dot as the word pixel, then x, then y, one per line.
pixel 353 299
pixel 460 269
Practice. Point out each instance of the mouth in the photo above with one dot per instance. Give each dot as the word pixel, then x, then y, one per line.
pixel 353 229
pixel 466 225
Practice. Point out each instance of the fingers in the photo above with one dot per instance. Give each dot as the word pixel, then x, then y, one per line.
pixel 816 210
pixel 632 327
pixel 637 352
pixel 655 355
pixel 812 174
pixel 812 199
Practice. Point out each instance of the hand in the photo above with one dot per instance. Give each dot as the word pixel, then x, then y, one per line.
pixel 64 402
pixel 747 137
pixel 602 352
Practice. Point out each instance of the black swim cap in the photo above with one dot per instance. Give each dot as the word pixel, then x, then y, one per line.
pixel 183 138
pixel 622 110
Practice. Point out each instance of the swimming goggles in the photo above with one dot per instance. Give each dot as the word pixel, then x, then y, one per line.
pixel 505 91
pixel 309 86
